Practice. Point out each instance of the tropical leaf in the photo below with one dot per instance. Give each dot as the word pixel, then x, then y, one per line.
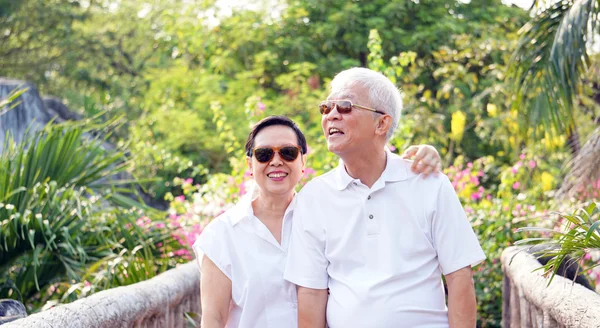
pixel 550 59
pixel 581 234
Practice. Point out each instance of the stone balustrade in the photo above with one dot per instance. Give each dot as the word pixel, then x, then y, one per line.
pixel 530 302
pixel 160 302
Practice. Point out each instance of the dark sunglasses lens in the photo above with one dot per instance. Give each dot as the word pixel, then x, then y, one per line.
pixel 263 155
pixel 289 153
pixel 325 108
pixel 344 107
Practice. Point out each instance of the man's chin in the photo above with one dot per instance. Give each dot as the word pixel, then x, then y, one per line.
pixel 335 148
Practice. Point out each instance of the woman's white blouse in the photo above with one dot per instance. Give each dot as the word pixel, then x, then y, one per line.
pixel 248 254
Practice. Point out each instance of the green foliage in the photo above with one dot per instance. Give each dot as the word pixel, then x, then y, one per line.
pixel 62 219
pixel 580 235
pixel 190 80
pixel 550 61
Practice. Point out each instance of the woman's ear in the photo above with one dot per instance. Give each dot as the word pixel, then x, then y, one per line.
pixel 249 163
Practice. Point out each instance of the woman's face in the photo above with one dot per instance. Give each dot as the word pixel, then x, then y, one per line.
pixel 277 176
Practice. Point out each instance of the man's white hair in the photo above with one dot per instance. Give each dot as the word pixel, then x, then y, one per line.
pixel 383 94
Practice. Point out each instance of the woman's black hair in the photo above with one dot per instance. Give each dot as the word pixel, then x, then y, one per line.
pixel 270 121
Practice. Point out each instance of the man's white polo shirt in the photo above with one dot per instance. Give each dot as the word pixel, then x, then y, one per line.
pixel 248 254
pixel 381 251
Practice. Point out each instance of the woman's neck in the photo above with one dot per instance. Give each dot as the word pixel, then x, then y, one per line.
pixel 272 206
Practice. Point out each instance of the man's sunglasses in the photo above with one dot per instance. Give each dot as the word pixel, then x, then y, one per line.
pixel 343 107
pixel 265 154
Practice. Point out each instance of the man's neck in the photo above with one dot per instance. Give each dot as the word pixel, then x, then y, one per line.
pixel 366 166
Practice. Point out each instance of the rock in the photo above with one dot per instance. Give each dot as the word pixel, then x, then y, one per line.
pixel 30 113
pixel 59 111
pixel 11 310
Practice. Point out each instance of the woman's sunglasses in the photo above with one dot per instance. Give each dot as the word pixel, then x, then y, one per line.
pixel 265 154
pixel 343 107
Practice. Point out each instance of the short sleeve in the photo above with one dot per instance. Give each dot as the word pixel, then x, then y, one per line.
pixel 214 243
pixel 306 262
pixel 455 242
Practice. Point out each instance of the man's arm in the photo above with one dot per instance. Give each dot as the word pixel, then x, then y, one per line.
pixel 462 306
pixel 312 304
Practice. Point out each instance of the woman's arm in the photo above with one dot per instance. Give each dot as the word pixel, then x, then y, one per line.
pixel 215 295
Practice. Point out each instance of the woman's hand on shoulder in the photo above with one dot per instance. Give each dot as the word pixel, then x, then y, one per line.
pixel 426 159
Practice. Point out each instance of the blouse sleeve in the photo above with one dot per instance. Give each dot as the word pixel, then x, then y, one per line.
pixel 213 243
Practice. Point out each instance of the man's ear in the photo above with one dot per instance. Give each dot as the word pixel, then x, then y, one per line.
pixel 383 125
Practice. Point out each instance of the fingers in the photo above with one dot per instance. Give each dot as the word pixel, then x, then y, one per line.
pixel 418 161
pixel 426 165
pixel 410 152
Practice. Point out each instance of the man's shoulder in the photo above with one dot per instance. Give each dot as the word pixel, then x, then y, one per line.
pixel 434 180
pixel 325 180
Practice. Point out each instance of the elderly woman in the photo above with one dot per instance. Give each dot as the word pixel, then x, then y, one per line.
pixel 243 251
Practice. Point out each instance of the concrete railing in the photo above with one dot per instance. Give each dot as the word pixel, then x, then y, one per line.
pixel 157 302
pixel 530 302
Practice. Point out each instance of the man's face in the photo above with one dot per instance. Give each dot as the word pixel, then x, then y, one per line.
pixel 351 131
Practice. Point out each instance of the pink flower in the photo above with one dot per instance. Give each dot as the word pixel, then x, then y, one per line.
pixel 160 225
pixel 180 198
pixel 514 169
pixel 532 164
pixel 188 181
pixel 488 197
pixel 87 283
pixel 522 156
pixel 261 106
pixel 476 196
pixel 516 185
pixel 391 147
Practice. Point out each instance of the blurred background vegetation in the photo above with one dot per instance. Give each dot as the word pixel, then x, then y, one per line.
pixel 175 85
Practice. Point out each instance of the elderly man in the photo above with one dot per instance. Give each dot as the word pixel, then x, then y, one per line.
pixel 375 235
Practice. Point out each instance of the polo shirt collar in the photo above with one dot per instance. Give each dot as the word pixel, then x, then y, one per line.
pixel 394 171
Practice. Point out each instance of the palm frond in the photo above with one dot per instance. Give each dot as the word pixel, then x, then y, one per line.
pixel 549 61
pixel 9 102
pixel 581 234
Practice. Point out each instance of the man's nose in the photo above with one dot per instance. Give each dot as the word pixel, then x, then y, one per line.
pixel 334 114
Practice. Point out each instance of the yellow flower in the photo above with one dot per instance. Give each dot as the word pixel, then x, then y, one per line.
pixel 547 181
pixel 492 110
pixel 458 125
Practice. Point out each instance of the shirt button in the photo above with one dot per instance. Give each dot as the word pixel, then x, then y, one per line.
pixel 371 216
pixel 294 305
pixel 354 183
pixel 369 197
